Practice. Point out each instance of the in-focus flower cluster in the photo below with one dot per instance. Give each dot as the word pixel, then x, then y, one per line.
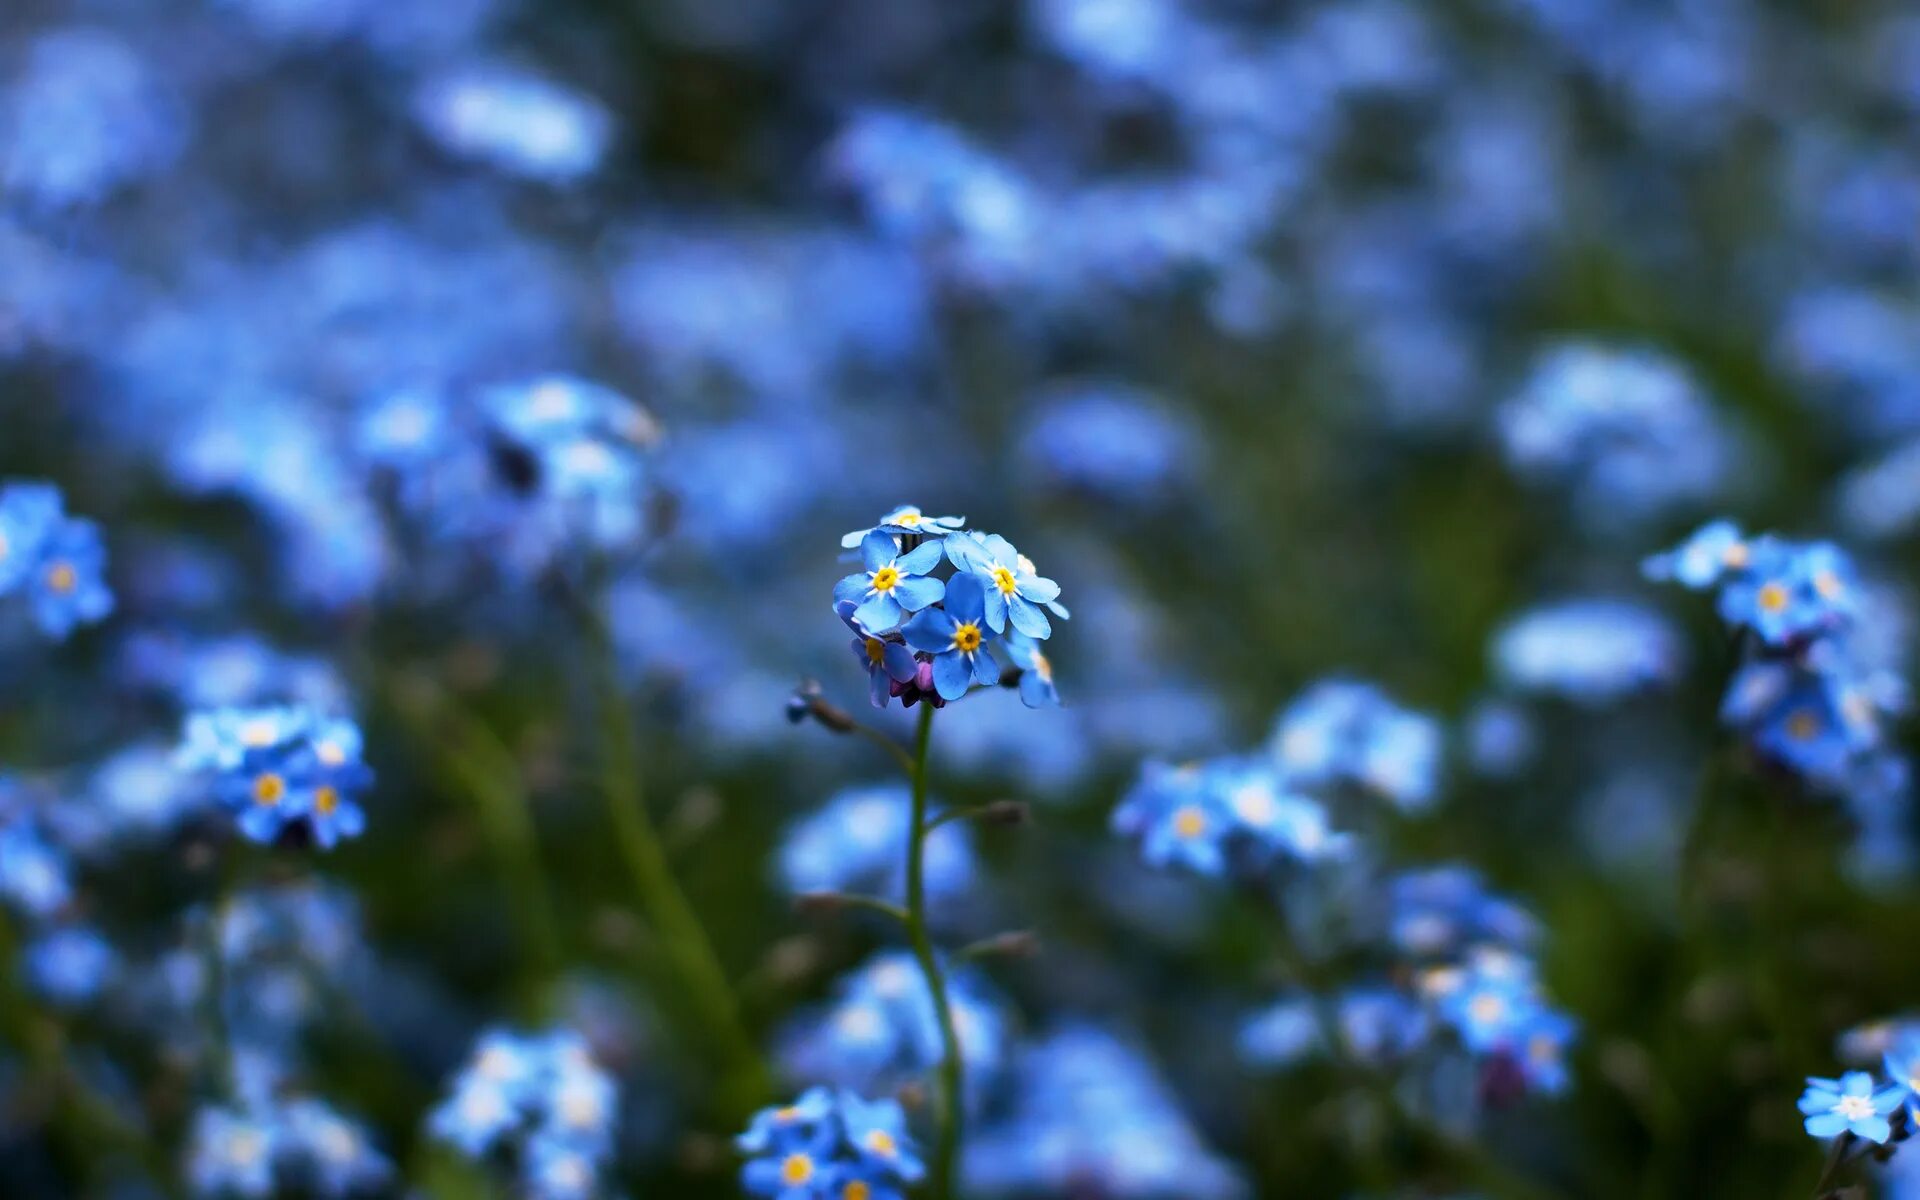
pixel 280 771
pixel 1817 684
pixel 830 1145
pixel 539 1099
pixel 54 563
pixel 923 637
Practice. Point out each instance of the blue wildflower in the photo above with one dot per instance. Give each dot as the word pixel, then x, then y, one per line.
pixel 1037 688
pixel 886 660
pixel 1012 590
pixel 1342 732
pixel 881 1030
pixel 541 1094
pixel 1590 650
pixel 277 768
pixel 1902 1062
pixel 1704 559
pixel 68 586
pixel 956 635
pixel 519 122
pixel 856 842
pixel 905 521
pixel 334 1153
pixel 232 1153
pixel 70 966
pixel 1850 1104
pixel 28 514
pixel 891 583
pixel 817 1147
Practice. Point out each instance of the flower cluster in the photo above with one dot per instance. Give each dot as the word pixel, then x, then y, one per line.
pixel 880 1030
pixel 1230 814
pixel 525 474
pixel 922 637
pixel 830 1145
pixel 282 1146
pixel 541 1098
pixel 1876 1106
pixel 1345 733
pixel 1626 431
pixel 54 562
pixel 280 771
pixel 1816 685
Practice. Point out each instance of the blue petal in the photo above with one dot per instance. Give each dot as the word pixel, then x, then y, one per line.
pixel 1039 588
pixel 985 670
pixel 851 590
pixel 1028 618
pixel 878 614
pixel 962 551
pixel 899 661
pixel 967 598
pixel 919 591
pixel 877 550
pixel 951 675
pixel 931 630
pixel 1826 1125
pixel 996 608
pixel 920 559
pixel 1875 1129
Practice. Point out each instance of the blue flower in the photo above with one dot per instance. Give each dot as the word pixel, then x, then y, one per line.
pixel 1704 559
pixel 886 661
pixel 1177 818
pixel 68 587
pixel 543 1095
pixel 1012 590
pixel 1774 595
pixel 1037 689
pixel 1850 1104
pixel 232 1152
pixel 906 521
pixel 70 966
pixel 275 768
pixel 337 1154
pixel 826 1142
pixel 956 635
pixel 1902 1061
pixel 892 584
pixel 28 513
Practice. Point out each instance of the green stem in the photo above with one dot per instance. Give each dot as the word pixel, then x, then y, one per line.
pixel 682 936
pixel 946 1149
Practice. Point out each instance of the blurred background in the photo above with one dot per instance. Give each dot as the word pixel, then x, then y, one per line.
pixel 1359 339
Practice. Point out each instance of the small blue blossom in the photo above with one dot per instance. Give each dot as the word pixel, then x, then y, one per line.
pixel 1342 732
pixel 1902 1062
pixel 1591 651
pixel 28 514
pixel 232 1153
pixel 1013 592
pixel 1037 688
pixel 891 583
pixel 517 121
pixel 887 661
pixel 857 842
pixel 905 521
pixel 957 637
pixel 543 1094
pixel 70 966
pixel 1852 1104
pixel 813 1148
pixel 1704 559
pixel 881 1030
pixel 276 769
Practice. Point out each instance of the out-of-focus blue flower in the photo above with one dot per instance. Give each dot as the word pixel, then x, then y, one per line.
pixel 857 843
pixel 881 1029
pixel 280 768
pixel 1500 739
pixel 1441 911
pixel 1628 432
pixel 1346 733
pixel 1902 1063
pixel 34 873
pixel 71 965
pixel 232 1153
pixel 1704 559
pixel 85 117
pixel 1853 1103
pixel 57 560
pixel 830 1144
pixel 1111 442
pixel 1089 1112
pixel 1227 813
pixel 544 1095
pixel 333 1154
pixel 1590 650
pixel 891 583
pixel 517 121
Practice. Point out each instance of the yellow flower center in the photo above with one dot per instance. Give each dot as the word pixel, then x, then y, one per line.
pixel 881 1142
pixel 325 800
pixel 1004 580
pixel 1189 822
pixel 856 1190
pixel 1772 598
pixel 268 790
pixel 61 577
pixel 909 519
pixel 796 1170
pixel 259 733
pixel 966 638
pixel 876 651
pixel 885 579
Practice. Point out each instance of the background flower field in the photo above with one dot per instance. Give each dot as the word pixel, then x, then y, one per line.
pixel 1414 562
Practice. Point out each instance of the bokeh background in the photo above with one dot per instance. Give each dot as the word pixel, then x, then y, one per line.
pixel 1295 340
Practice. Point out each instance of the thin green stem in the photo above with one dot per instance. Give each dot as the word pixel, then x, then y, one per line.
pixel 950 1116
pixel 682 936
pixel 886 743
